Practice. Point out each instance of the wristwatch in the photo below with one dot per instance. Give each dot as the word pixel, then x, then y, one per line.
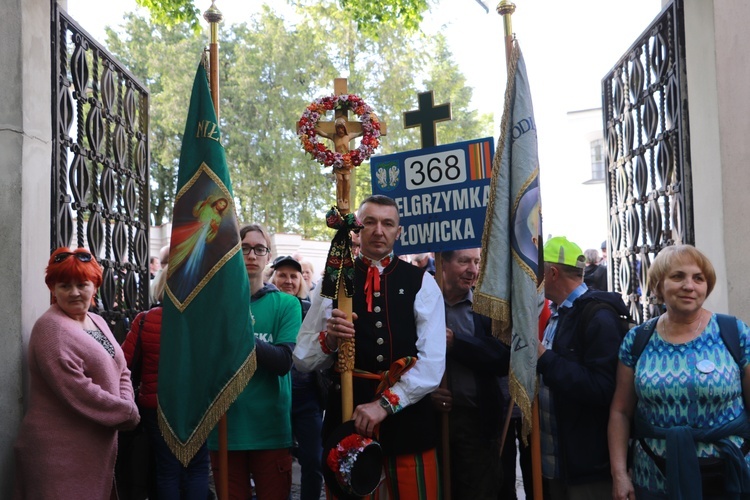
pixel 386 405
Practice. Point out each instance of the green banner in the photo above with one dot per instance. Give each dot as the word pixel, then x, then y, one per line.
pixel 207 353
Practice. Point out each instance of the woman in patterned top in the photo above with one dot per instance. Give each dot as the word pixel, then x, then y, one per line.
pixel 80 391
pixel 684 393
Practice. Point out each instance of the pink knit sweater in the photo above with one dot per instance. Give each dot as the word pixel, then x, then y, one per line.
pixel 79 398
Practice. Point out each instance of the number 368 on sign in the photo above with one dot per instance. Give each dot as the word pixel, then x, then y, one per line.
pixel 437 169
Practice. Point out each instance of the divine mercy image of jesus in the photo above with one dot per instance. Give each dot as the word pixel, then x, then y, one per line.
pixel 194 239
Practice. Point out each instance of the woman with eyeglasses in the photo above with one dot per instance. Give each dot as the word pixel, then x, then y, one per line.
pixel 80 391
pixel 259 421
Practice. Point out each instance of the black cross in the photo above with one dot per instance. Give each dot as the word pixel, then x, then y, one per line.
pixel 426 117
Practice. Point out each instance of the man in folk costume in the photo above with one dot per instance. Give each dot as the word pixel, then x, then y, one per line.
pixel 399 334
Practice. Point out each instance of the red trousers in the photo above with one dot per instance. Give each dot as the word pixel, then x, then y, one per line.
pixel 271 471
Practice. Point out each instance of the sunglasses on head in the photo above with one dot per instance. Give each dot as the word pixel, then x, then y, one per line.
pixel 82 256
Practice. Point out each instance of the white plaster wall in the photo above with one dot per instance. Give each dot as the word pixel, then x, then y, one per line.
pixel 24 202
pixel 718 78
pixel 731 18
pixel 11 144
pixel 705 153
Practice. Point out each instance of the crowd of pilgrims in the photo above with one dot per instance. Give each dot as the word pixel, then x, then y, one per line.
pixel 652 411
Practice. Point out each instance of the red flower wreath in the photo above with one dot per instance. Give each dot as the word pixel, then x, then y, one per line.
pixel 342 457
pixel 324 156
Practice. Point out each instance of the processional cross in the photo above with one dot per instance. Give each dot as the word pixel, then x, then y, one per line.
pixel 342 131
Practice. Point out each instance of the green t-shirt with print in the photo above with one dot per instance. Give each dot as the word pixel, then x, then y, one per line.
pixel 260 418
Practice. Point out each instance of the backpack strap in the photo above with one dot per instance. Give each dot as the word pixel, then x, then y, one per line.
pixel 595 305
pixel 643 334
pixel 590 309
pixel 731 336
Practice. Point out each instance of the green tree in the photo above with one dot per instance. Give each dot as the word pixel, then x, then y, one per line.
pixel 270 70
pixel 369 15
pixel 449 85
pixel 163 59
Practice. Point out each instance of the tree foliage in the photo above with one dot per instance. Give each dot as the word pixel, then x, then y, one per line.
pixel 171 13
pixel 369 15
pixel 269 71
pixel 164 59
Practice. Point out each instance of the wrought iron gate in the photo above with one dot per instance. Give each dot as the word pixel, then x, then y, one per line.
pixel 649 186
pixel 100 166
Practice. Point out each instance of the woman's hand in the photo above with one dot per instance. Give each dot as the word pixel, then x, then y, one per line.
pixel 622 487
pixel 133 419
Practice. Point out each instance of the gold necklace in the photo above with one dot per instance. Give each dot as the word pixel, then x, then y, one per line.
pixel 700 323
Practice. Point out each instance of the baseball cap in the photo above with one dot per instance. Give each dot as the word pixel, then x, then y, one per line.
pixel 559 250
pixel 286 260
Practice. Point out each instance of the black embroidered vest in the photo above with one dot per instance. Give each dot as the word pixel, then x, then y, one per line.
pixel 382 336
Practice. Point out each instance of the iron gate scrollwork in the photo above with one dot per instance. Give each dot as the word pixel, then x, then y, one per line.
pixel 100 166
pixel 648 176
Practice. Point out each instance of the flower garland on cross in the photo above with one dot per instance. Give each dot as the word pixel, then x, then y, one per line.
pixel 339 273
pixel 341 132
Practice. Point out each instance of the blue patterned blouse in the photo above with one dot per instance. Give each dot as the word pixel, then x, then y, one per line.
pixel 672 391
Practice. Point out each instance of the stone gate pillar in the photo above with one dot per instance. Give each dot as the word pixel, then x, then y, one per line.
pixel 25 136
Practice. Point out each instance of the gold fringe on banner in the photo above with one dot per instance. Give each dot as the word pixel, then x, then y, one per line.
pixel 498 310
pixel 488 305
pixel 524 404
pixel 187 450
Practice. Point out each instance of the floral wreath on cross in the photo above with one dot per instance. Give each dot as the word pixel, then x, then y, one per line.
pixel 318 150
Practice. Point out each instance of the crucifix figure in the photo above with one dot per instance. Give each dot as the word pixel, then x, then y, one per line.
pixel 341 138
pixel 342 131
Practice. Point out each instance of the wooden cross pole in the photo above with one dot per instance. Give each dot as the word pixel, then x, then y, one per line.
pixel 341 131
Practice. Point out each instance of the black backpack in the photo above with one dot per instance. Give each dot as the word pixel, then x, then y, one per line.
pixel 590 309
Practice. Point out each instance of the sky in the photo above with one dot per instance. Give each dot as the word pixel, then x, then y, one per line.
pixel 568 48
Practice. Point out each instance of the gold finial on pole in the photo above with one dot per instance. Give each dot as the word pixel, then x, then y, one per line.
pixel 506 9
pixel 214 16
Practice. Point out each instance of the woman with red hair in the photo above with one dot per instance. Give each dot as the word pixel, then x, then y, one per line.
pixel 80 391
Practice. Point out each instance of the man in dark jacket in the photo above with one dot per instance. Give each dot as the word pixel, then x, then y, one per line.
pixel 472 399
pixel 577 363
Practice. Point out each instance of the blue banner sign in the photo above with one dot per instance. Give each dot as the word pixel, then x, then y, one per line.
pixel 441 192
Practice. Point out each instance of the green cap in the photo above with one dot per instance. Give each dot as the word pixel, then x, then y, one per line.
pixel 559 250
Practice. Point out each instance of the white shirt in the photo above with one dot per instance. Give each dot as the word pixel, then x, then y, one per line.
pixel 420 380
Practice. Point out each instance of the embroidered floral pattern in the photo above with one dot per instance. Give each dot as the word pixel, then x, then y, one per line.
pixel 340 262
pixel 393 400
